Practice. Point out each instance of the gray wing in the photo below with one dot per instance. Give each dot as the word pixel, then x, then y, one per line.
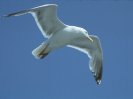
pixel 45 17
pixel 94 51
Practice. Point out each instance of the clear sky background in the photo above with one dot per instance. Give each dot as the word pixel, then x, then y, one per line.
pixel 64 74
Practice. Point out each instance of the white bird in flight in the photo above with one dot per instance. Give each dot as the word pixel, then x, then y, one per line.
pixel 60 35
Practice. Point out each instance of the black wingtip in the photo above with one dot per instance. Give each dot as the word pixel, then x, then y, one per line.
pixel 8 15
pixel 98 78
pixel 98 82
pixel 17 13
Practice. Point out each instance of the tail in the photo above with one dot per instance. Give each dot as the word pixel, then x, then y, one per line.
pixel 18 13
pixel 41 51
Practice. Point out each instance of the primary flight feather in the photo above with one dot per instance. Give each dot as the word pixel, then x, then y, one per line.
pixel 60 34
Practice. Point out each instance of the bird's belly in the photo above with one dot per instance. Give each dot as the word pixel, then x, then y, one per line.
pixel 66 37
pixel 59 41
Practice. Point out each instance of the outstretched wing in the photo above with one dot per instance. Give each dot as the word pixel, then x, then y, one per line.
pixel 45 17
pixel 94 51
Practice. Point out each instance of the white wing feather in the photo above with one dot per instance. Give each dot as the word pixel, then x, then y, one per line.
pixel 94 52
pixel 45 17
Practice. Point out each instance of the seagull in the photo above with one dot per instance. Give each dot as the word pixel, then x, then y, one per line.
pixel 60 35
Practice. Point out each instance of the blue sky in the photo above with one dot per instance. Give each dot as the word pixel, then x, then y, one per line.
pixel 64 74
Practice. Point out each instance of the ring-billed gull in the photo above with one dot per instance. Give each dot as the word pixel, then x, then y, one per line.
pixel 60 34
